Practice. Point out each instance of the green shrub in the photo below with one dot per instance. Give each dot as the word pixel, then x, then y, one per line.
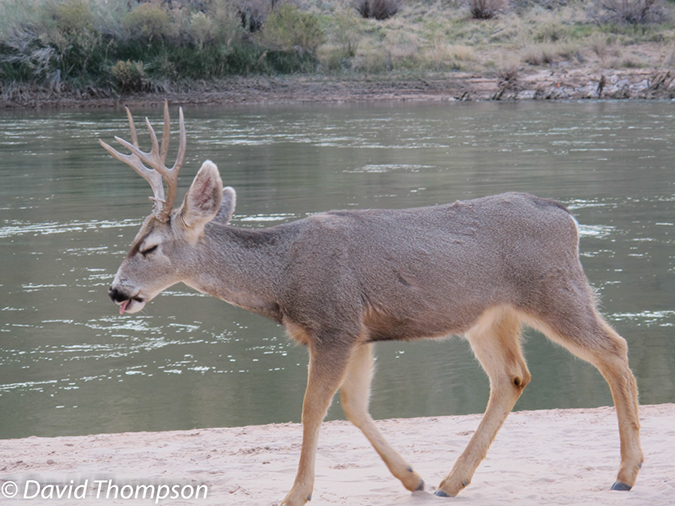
pixel 333 59
pixel 246 59
pixel 82 52
pixel 202 28
pixel 343 33
pixel 287 62
pixel 289 29
pixel 148 22
pixel 346 32
pixel 227 21
pixel 129 76
pixel 371 57
pixel 73 16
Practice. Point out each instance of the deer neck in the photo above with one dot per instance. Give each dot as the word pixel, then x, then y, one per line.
pixel 241 267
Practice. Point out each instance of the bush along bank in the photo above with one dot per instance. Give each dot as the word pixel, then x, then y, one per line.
pixel 104 48
pixel 108 46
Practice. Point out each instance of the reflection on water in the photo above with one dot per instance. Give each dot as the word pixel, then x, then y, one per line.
pixel 69 364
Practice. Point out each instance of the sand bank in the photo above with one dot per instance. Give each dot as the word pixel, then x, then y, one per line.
pixel 565 457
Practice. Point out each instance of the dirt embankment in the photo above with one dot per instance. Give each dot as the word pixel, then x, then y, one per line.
pixel 552 84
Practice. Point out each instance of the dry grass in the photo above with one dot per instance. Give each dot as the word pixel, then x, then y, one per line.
pixel 442 35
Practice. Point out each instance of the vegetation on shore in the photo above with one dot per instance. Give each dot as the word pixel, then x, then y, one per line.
pixel 107 47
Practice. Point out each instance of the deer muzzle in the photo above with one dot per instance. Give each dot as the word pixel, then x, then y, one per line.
pixel 126 302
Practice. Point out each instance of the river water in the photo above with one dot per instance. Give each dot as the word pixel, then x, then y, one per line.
pixel 70 364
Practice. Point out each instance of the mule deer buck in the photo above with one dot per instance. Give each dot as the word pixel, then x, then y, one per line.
pixel 343 280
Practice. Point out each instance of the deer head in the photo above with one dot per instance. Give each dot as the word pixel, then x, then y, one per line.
pixel 167 243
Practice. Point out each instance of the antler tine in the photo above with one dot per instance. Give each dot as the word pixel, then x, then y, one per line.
pixel 166 135
pixel 153 158
pixel 180 157
pixel 171 175
pixel 132 127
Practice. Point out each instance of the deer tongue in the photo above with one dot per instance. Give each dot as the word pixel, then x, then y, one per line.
pixel 124 305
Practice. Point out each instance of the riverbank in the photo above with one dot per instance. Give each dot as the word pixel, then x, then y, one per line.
pixel 574 84
pixel 539 457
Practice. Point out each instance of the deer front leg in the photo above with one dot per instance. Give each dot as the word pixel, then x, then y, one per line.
pixel 328 358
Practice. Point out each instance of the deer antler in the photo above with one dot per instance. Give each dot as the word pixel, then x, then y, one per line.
pixel 156 159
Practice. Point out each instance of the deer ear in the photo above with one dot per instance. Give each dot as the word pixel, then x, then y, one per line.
pixel 227 204
pixel 202 201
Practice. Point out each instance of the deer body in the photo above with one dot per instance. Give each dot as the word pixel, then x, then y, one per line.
pixel 401 274
pixel 341 280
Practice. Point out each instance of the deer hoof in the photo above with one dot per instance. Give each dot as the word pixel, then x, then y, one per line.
pixel 440 493
pixel 620 486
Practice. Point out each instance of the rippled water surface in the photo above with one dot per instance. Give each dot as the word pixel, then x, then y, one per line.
pixel 70 364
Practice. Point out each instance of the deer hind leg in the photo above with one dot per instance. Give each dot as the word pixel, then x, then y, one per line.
pixel 355 394
pixel 495 341
pixel 328 358
pixel 588 336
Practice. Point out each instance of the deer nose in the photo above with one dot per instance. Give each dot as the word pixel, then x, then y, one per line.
pixel 117 295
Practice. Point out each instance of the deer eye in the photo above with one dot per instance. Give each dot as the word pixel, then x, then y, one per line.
pixel 151 249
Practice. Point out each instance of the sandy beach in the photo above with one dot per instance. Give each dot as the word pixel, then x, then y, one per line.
pixel 539 457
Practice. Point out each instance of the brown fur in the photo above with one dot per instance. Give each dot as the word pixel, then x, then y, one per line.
pixel 341 280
